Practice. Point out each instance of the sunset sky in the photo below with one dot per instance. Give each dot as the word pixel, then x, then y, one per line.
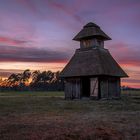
pixel 37 34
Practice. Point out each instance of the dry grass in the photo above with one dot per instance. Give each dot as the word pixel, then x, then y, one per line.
pixel 35 117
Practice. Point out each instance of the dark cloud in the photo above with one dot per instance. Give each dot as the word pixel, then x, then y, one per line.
pixel 26 54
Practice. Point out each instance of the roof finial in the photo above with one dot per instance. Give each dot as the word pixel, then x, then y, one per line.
pixel 91 24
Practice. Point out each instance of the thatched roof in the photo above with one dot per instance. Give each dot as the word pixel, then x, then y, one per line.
pixel 91 30
pixel 92 62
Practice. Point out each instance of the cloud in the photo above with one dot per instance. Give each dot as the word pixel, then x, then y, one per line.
pixel 60 12
pixel 7 72
pixel 30 5
pixel 24 54
pixel 131 80
pixel 10 41
pixel 70 11
pixel 57 6
pixel 52 22
pixel 125 54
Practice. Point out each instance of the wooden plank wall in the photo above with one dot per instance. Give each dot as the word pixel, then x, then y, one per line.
pixel 72 88
pixel 114 87
pixel 104 88
pixel 118 93
pixel 110 87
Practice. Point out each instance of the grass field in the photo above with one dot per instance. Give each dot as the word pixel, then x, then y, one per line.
pixel 47 116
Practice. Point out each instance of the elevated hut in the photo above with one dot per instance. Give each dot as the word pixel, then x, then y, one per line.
pixel 92 71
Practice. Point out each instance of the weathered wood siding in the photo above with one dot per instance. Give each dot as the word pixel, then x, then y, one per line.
pixel 72 88
pixel 94 87
pixel 104 88
pixel 114 87
pixel 118 93
pixel 110 87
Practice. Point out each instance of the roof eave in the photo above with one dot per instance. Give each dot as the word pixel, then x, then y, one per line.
pixel 81 38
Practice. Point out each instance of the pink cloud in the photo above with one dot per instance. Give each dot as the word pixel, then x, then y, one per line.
pixel 125 54
pixel 70 11
pixel 10 41
pixel 128 57
pixel 15 29
pixel 52 11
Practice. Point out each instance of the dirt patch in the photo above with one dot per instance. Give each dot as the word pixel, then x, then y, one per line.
pixel 55 128
pixel 108 134
pixel 43 132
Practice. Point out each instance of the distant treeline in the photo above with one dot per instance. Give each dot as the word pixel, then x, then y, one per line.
pixel 129 88
pixel 37 80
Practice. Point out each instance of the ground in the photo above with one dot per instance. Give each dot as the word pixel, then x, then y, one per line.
pixel 47 116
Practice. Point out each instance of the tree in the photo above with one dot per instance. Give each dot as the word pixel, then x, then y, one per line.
pixel 35 76
pixel 46 80
pixel 42 80
pixel 19 80
pixel 25 76
pixel 14 79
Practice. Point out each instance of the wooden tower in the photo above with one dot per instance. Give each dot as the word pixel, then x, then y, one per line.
pixel 92 71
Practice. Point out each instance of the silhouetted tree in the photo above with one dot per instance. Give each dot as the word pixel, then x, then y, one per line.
pixel 46 80
pixel 14 79
pixel 26 76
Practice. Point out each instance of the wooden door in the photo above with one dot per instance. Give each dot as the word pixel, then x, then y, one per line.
pixel 94 87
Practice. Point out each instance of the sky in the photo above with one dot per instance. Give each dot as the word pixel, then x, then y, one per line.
pixel 37 34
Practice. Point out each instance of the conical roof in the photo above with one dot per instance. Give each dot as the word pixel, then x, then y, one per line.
pixel 92 62
pixel 91 30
